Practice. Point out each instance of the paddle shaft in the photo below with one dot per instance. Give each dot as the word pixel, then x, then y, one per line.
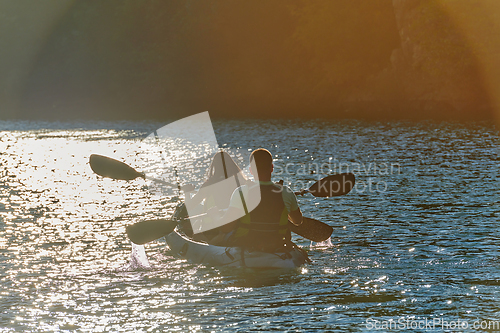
pixel 147 231
pixel 330 186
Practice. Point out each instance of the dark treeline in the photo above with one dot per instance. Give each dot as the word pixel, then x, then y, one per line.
pixel 134 59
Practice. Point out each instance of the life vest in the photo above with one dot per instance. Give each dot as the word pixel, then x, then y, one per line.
pixel 265 228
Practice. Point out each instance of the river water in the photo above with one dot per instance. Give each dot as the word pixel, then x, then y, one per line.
pixel 416 242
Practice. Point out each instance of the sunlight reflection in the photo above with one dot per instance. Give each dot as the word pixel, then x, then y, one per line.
pixel 64 246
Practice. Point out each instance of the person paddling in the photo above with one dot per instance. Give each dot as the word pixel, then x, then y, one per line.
pixel 215 193
pixel 222 167
pixel 260 222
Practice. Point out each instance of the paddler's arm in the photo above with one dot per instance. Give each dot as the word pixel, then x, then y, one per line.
pixel 296 216
pixel 291 204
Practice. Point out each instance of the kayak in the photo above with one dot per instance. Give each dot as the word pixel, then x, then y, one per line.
pixel 218 256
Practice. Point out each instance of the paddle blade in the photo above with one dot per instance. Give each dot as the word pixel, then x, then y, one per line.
pixel 111 168
pixel 333 186
pixel 312 229
pixel 147 231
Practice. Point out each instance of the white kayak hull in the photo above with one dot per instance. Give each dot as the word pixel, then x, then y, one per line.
pixel 218 256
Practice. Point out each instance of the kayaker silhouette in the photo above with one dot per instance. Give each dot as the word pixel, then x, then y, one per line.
pixel 213 197
pixel 264 225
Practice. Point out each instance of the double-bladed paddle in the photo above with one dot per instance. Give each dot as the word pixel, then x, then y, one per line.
pixel 330 186
pixel 317 231
pixel 149 230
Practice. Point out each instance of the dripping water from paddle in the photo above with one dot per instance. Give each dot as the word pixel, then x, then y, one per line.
pixel 138 259
pixel 321 245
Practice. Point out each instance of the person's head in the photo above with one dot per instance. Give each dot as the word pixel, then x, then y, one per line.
pixel 261 160
pixel 222 167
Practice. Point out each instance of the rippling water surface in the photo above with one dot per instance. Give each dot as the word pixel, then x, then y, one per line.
pixel 417 239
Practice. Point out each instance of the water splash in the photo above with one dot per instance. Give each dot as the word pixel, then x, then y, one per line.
pixel 321 245
pixel 138 259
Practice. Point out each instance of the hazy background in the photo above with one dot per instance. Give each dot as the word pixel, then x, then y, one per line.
pixel 369 59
